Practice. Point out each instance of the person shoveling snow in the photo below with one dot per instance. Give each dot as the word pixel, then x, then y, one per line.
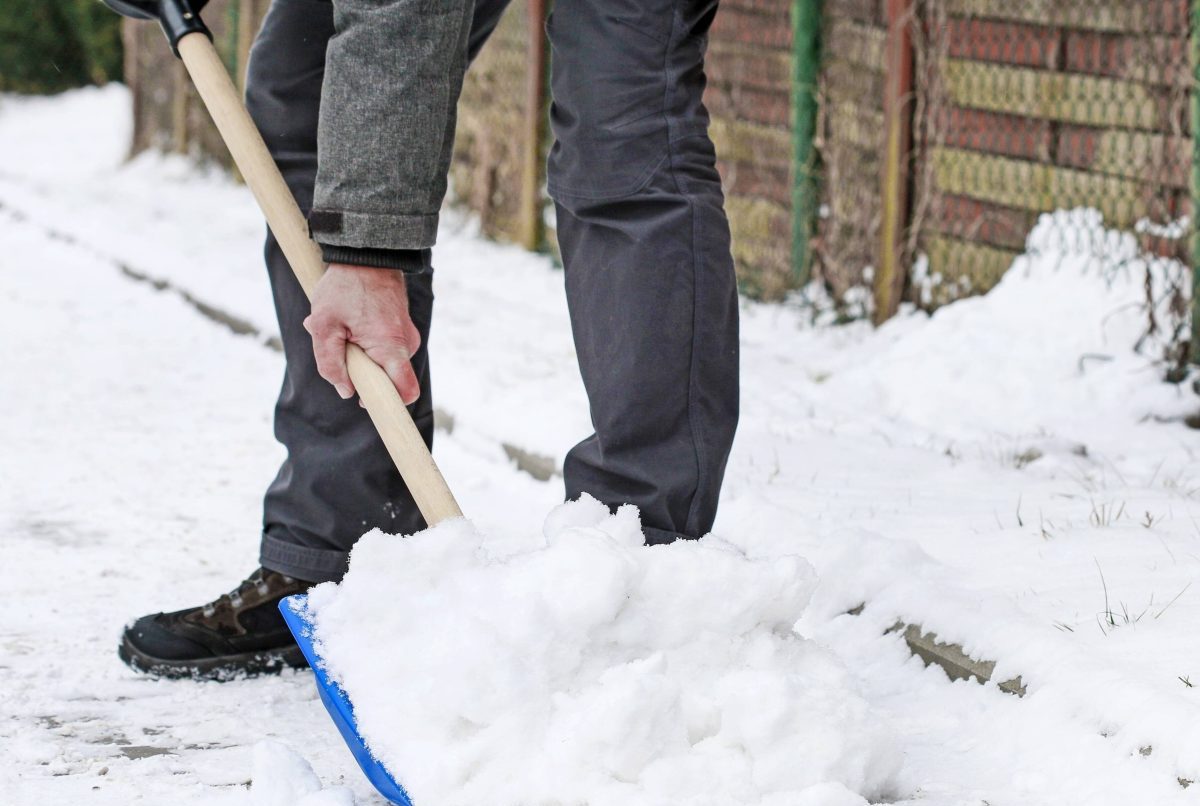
pixel 364 143
pixel 653 298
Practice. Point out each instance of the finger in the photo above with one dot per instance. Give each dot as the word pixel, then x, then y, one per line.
pixel 329 349
pixel 404 379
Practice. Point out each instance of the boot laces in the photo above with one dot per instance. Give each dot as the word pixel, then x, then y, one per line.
pixel 257 580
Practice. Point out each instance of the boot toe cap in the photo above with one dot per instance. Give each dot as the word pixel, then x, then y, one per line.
pixel 152 637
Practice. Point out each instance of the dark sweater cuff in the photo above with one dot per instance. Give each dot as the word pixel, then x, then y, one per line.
pixel 409 261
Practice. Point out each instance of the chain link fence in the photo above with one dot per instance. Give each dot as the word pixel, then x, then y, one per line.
pixel 1018 108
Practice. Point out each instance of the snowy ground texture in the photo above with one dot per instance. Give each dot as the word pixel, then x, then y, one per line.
pixel 1007 473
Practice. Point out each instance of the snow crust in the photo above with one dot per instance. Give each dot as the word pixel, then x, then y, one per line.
pixel 589 668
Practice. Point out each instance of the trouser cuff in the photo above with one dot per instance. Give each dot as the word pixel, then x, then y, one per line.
pixel 302 562
pixel 660 537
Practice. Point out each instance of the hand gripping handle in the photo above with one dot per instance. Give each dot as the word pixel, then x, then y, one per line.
pixel 375 388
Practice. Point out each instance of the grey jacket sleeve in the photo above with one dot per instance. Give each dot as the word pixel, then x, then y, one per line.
pixel 393 74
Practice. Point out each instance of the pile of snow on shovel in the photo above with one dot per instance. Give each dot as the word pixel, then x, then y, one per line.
pixel 584 667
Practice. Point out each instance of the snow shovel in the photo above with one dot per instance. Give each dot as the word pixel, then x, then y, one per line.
pixel 192 42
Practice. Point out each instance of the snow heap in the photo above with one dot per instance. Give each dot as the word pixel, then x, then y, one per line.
pixel 282 777
pixel 585 668
pixel 1059 347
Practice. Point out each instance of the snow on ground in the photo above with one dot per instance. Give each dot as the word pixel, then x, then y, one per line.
pixel 1007 473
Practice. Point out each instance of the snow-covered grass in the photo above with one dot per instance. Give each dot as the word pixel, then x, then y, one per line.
pixel 1007 472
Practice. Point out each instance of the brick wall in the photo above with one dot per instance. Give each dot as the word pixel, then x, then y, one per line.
pixel 749 98
pixel 850 141
pixel 1022 106
pixel 1036 106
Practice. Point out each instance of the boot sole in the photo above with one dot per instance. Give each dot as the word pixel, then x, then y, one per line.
pixel 221 669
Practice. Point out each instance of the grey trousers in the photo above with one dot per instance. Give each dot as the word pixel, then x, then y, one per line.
pixel 649 280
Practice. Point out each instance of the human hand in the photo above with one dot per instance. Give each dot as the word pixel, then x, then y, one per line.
pixel 367 307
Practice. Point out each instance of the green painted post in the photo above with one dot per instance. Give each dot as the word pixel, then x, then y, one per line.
pixel 1194 251
pixel 806 66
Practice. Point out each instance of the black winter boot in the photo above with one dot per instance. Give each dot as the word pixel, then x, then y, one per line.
pixel 241 633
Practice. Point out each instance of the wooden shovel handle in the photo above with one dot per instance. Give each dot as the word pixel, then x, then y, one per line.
pixel 383 402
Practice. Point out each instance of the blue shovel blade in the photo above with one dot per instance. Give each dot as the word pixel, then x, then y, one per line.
pixel 295 613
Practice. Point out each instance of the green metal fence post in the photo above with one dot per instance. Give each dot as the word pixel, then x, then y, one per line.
pixel 806 65
pixel 1194 251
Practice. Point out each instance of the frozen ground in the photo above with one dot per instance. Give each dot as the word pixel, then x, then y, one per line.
pixel 1006 473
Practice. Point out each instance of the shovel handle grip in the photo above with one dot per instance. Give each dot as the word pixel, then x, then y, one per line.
pixel 379 395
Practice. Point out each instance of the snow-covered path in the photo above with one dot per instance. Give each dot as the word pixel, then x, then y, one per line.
pixel 967 472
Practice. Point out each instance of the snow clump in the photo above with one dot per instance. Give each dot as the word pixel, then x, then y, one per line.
pixel 583 667
pixel 282 777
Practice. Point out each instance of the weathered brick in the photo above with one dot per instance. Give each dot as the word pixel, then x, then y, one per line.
pixel 844 248
pixel 1075 146
pixel 845 81
pixel 752 180
pixel 770 107
pixel 738 141
pixel 780 9
pixel 868 11
pixel 856 43
pixel 975 220
pixel 856 124
pixel 981 266
pixel 852 187
pixel 758 219
pixel 1150 59
pixel 1139 16
pixel 1038 187
pixel 1163 160
pixel 1067 97
pixel 1007 42
pixel 765 31
pixel 994 133
pixel 733 63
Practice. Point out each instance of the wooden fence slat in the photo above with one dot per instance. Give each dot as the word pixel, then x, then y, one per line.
pixel 531 226
pixel 895 175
